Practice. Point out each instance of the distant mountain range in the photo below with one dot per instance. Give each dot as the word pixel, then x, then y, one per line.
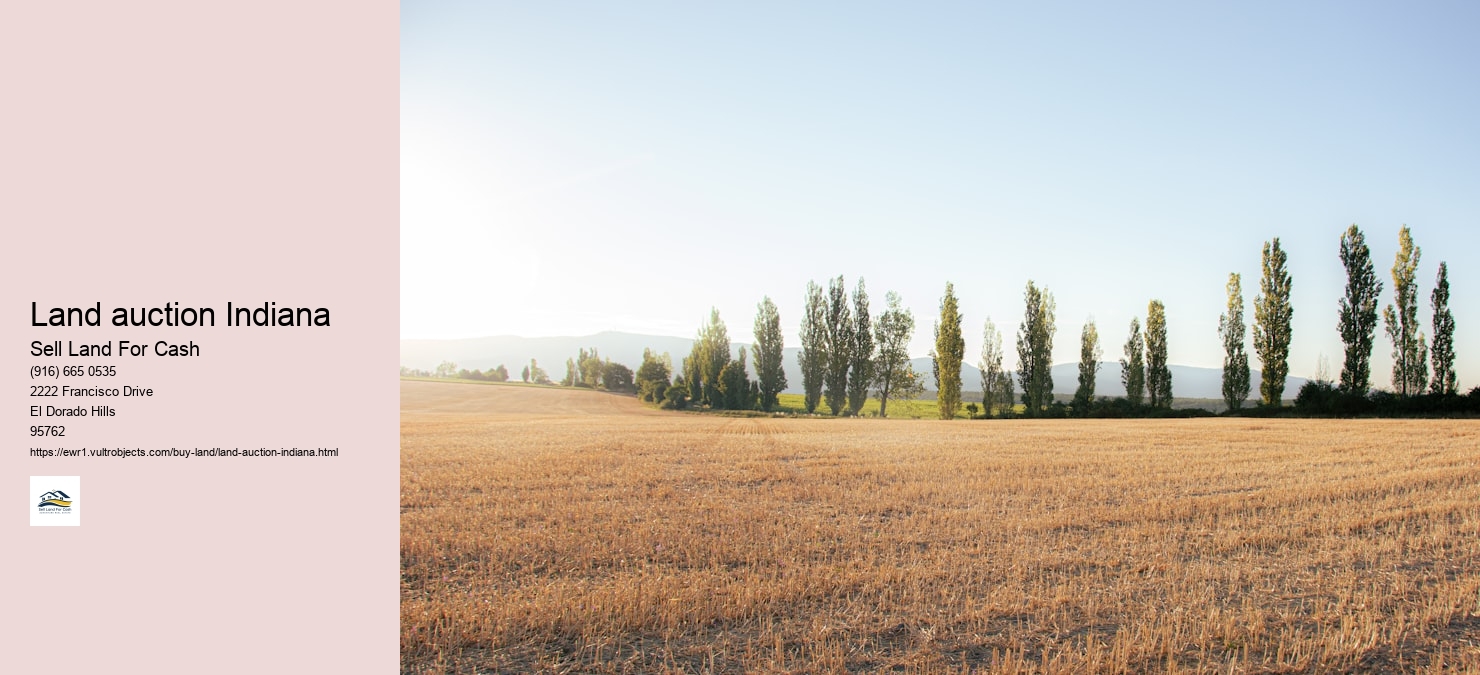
pixel 551 352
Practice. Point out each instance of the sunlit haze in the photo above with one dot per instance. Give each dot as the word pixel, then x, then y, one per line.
pixel 570 169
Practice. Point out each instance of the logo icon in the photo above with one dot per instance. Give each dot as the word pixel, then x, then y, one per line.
pixel 55 498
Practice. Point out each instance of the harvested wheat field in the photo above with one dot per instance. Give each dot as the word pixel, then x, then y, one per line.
pixel 571 531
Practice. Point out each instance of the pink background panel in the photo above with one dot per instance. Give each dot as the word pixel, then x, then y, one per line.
pixel 202 153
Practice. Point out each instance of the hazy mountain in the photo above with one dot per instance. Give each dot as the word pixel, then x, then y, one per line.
pixel 551 352
pixel 515 352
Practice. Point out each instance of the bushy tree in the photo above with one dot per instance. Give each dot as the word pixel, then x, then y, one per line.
pixel 616 377
pixel 538 374
pixel 734 385
pixel 894 379
pixel 1133 365
pixel 1158 372
pixel 446 369
pixel 1272 314
pixel 1445 381
pixel 839 347
pixel 991 369
pixel 652 376
pixel 1035 349
pixel 499 374
pixel 813 357
pixel 1089 365
pixel 1235 360
pixel 769 345
pixel 590 366
pixel 1410 367
pixel 524 374
pixel 676 397
pixel 1357 314
pixel 861 352
pixel 950 349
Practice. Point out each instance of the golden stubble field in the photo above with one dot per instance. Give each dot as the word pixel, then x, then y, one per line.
pixel 572 531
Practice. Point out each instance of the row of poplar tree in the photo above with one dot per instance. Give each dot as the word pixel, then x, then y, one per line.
pixel 846 355
pixel 1356 322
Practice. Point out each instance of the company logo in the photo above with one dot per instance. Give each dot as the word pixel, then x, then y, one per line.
pixel 55 498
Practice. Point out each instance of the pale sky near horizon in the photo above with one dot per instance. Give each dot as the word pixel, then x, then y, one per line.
pixel 573 168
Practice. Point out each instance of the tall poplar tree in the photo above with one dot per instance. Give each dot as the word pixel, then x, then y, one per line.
pixel 1442 354
pixel 1158 373
pixel 1357 314
pixel 1410 367
pixel 950 349
pixel 1089 364
pixel 693 381
pixel 839 347
pixel 1035 349
pixel 893 376
pixel 1133 365
pixel 711 353
pixel 1235 358
pixel 813 357
pixel 861 368
pixel 991 369
pixel 767 352
pixel 1272 313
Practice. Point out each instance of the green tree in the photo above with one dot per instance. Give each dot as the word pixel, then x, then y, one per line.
pixel 894 379
pixel 676 397
pixel 524 374
pixel 691 376
pixel 1235 359
pixel 590 367
pixel 861 352
pixel 1089 365
pixel 616 377
pixel 1158 373
pixel 538 374
pixel 950 349
pixel 446 369
pixel 652 376
pixel 1357 316
pixel 1035 349
pixel 734 385
pixel 1445 381
pixel 1272 314
pixel 1007 395
pixel 1410 367
pixel 570 374
pixel 769 344
pixel 1133 365
pixel 839 346
pixel 711 353
pixel 991 369
pixel 813 357
pixel 499 374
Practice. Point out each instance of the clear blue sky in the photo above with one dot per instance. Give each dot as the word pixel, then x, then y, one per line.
pixel 569 168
